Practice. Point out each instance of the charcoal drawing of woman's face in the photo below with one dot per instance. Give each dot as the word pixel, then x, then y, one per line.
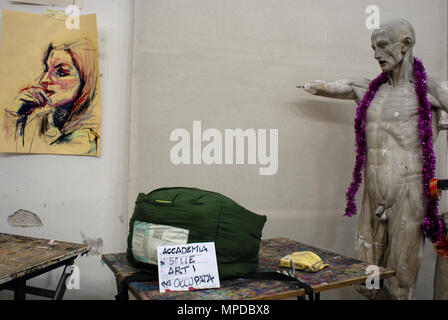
pixel 60 80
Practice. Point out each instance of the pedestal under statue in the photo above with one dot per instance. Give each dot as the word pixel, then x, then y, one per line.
pixel 394 158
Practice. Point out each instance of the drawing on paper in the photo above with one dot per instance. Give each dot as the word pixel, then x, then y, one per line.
pixel 56 110
pixel 49 86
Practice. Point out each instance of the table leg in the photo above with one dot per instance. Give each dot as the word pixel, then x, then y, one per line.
pixel 60 290
pixel 20 290
pixel 311 297
pixel 121 295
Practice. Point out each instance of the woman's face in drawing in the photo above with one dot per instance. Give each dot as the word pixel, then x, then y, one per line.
pixel 60 80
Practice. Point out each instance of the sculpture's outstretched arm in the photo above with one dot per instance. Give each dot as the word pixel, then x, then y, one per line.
pixel 340 89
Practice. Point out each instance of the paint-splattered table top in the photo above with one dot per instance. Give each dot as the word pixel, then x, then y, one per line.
pixel 343 271
pixel 235 289
pixel 20 255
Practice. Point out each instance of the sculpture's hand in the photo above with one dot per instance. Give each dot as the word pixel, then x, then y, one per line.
pixel 314 86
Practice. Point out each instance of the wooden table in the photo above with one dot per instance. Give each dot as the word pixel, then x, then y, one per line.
pixel 23 258
pixel 343 271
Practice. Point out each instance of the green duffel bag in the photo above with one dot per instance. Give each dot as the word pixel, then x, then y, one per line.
pixel 171 216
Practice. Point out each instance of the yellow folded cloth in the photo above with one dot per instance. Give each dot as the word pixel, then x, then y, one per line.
pixel 305 260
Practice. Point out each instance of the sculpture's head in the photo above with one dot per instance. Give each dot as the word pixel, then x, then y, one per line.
pixel 393 43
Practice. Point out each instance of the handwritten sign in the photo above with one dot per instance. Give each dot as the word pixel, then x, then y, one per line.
pixel 187 267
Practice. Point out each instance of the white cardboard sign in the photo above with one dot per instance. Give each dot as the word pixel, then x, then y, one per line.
pixel 187 267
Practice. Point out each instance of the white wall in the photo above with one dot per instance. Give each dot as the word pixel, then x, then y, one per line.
pixel 235 64
pixel 82 194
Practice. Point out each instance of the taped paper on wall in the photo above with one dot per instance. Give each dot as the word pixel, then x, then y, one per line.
pixel 55 3
pixel 49 85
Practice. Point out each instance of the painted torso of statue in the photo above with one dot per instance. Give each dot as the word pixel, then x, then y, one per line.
pixel 392 124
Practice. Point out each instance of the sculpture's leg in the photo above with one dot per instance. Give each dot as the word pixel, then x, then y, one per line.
pixel 405 242
pixel 441 276
pixel 371 240
pixel 441 279
pixel 395 242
